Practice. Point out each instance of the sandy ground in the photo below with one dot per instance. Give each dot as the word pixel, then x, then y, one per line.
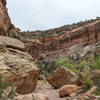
pixel 48 90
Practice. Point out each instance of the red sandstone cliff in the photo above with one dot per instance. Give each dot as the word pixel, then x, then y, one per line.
pixel 50 46
pixel 5 23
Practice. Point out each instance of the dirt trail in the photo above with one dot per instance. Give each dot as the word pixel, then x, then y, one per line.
pixel 48 90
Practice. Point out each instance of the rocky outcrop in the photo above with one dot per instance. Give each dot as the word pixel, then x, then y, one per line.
pixel 5 22
pixel 67 90
pixel 62 76
pixel 18 67
pixel 11 43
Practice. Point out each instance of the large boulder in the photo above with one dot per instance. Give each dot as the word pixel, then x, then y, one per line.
pixel 33 96
pixel 19 69
pixel 13 33
pixel 66 90
pixel 61 76
pixel 11 42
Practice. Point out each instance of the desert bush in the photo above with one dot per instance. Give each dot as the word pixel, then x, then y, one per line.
pixel 7 90
pixel 96 80
pixel 96 64
pixel 66 63
pixel 87 81
pixel 97 92
pixel 82 65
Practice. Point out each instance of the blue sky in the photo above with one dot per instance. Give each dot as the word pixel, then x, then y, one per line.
pixel 46 14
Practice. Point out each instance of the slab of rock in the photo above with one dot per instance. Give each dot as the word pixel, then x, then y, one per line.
pixel 61 76
pixel 66 90
pixel 89 94
pixel 11 42
pixel 19 69
pixel 33 96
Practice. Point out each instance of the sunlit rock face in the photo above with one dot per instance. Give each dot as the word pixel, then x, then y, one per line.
pixel 50 47
pixel 87 35
pixel 18 67
pixel 5 22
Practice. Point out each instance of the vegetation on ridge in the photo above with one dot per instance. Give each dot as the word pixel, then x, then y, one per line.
pixel 57 31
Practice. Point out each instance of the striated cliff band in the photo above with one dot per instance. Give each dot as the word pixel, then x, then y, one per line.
pixel 43 48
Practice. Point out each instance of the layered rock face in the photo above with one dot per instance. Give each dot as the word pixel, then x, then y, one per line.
pixel 11 42
pixel 57 45
pixel 18 67
pixel 5 23
pixel 87 35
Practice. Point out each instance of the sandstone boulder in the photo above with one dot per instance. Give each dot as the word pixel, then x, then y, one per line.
pixel 33 96
pixel 61 76
pixel 11 42
pixel 13 33
pixel 19 69
pixel 66 90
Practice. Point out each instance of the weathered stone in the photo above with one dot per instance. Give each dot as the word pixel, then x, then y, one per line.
pixel 11 42
pixel 57 46
pixel 61 76
pixel 13 33
pixel 19 69
pixel 33 96
pixel 67 90
pixel 5 23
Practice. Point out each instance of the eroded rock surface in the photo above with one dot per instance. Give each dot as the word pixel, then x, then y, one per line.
pixel 59 44
pixel 19 69
pixel 61 76
pixel 67 90
pixel 5 22
pixel 11 42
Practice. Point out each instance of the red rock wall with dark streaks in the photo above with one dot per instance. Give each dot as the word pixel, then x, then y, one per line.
pixel 88 34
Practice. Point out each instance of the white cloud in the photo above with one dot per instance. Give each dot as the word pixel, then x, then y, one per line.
pixel 45 14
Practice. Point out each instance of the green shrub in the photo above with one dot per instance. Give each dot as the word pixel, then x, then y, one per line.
pixel 87 81
pixel 96 64
pixel 82 64
pixel 97 92
pixel 7 90
pixel 66 63
pixel 96 80
pixel 61 62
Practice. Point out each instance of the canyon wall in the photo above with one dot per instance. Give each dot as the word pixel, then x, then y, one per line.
pixel 87 35
pixel 57 45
